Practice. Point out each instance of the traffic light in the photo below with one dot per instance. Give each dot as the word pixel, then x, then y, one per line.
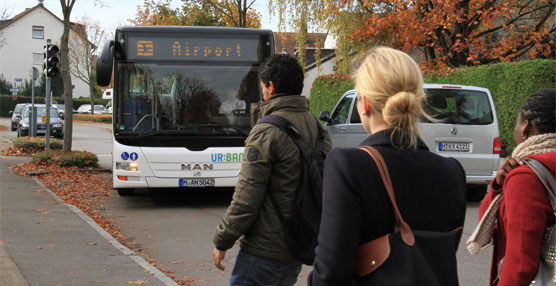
pixel 51 60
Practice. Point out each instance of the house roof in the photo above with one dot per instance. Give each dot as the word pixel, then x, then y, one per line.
pixel 325 55
pixel 27 11
pixel 76 27
pixel 286 42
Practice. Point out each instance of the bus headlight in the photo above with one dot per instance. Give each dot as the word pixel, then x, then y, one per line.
pixel 131 166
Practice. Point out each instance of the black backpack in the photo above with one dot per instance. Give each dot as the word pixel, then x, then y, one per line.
pixel 302 228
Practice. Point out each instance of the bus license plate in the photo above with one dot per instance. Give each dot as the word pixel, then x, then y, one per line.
pixel 457 147
pixel 197 183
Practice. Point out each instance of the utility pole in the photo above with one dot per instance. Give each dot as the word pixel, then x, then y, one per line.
pixel 33 121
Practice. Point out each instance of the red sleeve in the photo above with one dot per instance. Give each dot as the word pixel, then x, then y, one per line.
pixel 527 211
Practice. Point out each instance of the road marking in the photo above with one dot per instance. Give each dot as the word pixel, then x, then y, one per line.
pixel 126 251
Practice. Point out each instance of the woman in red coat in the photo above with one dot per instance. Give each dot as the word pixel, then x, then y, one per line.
pixel 525 210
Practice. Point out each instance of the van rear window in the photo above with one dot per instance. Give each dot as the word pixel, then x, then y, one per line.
pixel 455 106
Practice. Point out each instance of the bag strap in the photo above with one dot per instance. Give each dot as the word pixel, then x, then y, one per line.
pixel 545 177
pixel 289 128
pixel 406 232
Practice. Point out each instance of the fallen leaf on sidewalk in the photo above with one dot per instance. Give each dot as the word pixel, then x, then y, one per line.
pixel 177 262
pixel 138 282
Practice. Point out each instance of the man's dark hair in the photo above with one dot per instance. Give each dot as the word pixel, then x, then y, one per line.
pixel 284 71
pixel 540 109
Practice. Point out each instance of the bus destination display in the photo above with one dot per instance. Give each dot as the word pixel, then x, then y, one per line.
pixel 201 49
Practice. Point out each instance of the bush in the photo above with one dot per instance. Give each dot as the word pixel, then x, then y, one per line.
pixel 67 159
pixel 30 145
pixel 93 118
pixel 326 92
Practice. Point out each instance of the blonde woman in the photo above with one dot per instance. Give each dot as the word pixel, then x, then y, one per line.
pixel 429 189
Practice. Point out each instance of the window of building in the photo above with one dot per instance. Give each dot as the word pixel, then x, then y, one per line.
pixel 38 58
pixel 38 32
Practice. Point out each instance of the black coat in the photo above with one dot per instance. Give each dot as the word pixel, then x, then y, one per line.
pixel 429 189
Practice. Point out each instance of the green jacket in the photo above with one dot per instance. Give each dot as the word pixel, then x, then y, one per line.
pixel 270 155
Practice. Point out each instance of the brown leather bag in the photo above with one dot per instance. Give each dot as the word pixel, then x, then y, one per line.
pixel 407 257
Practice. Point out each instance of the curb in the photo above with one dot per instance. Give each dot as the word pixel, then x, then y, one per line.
pixel 124 250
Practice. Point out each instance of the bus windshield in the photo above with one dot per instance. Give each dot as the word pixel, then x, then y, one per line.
pixel 187 99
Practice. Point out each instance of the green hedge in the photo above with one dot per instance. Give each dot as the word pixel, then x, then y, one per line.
pixel 509 83
pixel 30 145
pixel 7 103
pixel 67 159
pixel 326 92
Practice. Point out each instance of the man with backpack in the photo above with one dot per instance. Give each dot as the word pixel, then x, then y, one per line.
pixel 273 173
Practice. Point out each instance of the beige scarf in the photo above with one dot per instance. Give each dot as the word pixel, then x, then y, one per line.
pixel 537 144
pixel 481 237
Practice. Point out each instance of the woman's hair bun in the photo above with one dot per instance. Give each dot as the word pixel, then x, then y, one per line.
pixel 402 110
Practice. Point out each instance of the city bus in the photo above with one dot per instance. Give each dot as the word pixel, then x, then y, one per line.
pixel 182 100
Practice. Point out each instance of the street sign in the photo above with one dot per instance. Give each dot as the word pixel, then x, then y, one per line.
pixel 18 79
pixel 35 73
pixel 14 89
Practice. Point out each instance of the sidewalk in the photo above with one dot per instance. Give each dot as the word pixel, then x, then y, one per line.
pixel 44 241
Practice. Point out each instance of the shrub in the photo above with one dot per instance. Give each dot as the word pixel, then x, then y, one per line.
pixel 94 118
pixel 326 92
pixel 30 145
pixel 67 159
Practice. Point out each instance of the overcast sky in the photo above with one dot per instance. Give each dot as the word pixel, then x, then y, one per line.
pixel 117 13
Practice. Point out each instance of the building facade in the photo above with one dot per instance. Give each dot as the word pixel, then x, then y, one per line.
pixel 24 37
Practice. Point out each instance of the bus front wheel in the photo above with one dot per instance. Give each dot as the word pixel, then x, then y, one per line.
pixel 125 192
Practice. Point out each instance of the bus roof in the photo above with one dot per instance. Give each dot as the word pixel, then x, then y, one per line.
pixel 193 29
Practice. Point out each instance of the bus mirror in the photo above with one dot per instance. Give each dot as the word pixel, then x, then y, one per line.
pixel 104 63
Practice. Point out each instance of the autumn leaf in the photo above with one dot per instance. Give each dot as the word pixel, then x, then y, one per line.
pixel 137 282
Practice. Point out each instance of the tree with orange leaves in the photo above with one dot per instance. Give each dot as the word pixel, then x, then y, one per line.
pixel 223 13
pixel 453 33
pixel 449 33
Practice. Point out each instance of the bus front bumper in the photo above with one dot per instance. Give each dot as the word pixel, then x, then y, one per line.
pixel 148 182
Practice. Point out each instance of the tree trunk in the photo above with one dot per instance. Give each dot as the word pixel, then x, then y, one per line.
pixel 66 76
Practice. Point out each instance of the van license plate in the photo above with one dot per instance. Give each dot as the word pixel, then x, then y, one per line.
pixel 197 183
pixel 457 147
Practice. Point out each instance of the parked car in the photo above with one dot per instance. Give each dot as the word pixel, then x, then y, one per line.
pixel 86 109
pixel 56 124
pixel 16 115
pixel 467 130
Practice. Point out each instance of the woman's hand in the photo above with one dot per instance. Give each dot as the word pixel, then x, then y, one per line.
pixel 504 169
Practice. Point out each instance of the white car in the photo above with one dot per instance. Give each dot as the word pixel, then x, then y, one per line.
pixel 86 109
pixel 467 131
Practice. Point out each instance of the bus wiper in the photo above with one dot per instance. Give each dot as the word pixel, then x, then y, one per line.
pixel 232 126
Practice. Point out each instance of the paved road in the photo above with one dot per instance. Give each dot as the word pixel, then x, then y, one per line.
pixel 175 227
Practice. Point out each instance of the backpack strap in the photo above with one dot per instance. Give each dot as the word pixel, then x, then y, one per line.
pixel 290 129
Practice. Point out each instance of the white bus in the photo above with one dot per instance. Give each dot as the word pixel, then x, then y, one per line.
pixel 182 100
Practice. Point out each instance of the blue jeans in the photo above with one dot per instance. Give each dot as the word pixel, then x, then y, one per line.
pixel 253 270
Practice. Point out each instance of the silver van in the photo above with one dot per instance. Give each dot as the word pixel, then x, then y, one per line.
pixel 467 131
